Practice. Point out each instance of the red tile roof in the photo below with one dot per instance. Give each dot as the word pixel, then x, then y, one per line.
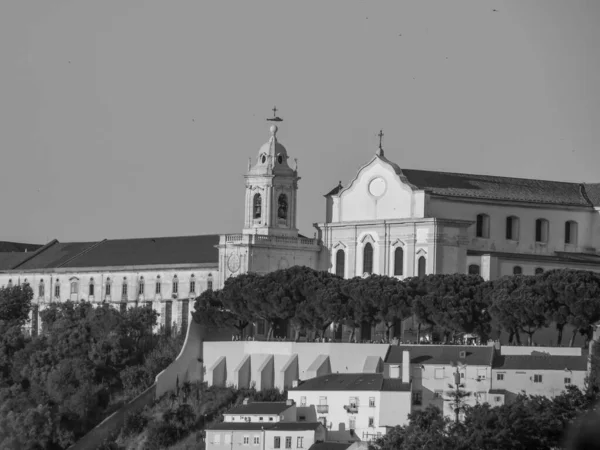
pixel 540 362
pixel 442 354
pixel 352 382
pixel 267 408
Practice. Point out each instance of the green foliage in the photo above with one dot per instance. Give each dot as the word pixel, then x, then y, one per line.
pixel 15 304
pixel 134 423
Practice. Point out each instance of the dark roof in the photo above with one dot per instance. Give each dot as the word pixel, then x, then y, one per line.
pixel 8 260
pixel 330 446
pixel 351 382
pixel 498 188
pixel 260 408
pixel 335 190
pixel 540 361
pixel 151 251
pixel 562 257
pixel 442 354
pixel 17 247
pixel 284 426
pixel 498 392
pixel 592 190
pixel 124 252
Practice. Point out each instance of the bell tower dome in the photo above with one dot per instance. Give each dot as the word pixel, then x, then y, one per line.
pixel 271 191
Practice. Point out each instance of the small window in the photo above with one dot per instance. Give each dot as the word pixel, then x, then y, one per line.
pixel 158 286
pixel 288 442
pixel 124 288
pixel 246 440
pixel 474 269
pixel 256 440
pixel 141 286
pixel 500 377
pixel 10 283
pixel 371 422
pixel 417 398
pixel 371 402
pixel 74 287
pixel 567 381
pixel 282 208
pixel 57 290
pixel 227 439
pixel 512 228
pixel 192 285
pixel 300 442
pixel 398 261
pixel 261 419
pixel 175 286
pixel 438 393
pixel 280 158
pixel 482 226
pixel 497 398
pixel 517 270
pixel 368 258
pixel 303 401
pixel 209 283
pixel 422 262
pixel 340 263
pixel 539 271
pixel 91 288
pixel 481 374
pixel 257 205
pixel 541 230
pixel 537 378
pixel 277 442
pixel 107 286
pixel 217 438
pixel 353 401
pixel 41 289
pixel 571 232
pixel 352 423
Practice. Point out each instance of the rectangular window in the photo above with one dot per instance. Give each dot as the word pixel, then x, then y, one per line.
pixel 352 423
pixel 175 287
pixel 57 290
pixel 141 291
pixel 227 439
pixel 124 289
pixel 299 442
pixel 353 402
pixel 74 288
pixel 209 285
pixel 537 378
pixel 246 440
pixel 288 442
pixel 438 374
pixel 91 291
pixel 567 232
pixel 371 402
pixel 438 394
pixel 158 287
pixel 500 377
pixel 371 422
pixel 481 374
pixel 509 228
pixel 107 288
pixel 192 286
pixel 41 290
pixel 417 398
pixel 277 442
pixel 322 400
pixel 256 440
pixel 303 401
pixel 567 381
pixel 217 438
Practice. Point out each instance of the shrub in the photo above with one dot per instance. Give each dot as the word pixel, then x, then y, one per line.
pixel 161 435
pixel 134 423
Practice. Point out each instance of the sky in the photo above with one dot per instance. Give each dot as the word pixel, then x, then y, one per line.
pixel 136 119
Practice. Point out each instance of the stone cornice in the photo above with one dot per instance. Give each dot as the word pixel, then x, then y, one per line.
pixel 199 266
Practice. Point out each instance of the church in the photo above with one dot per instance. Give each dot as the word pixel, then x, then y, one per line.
pixel 385 220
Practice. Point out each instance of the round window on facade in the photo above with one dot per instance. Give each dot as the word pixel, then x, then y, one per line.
pixel 263 158
pixel 280 159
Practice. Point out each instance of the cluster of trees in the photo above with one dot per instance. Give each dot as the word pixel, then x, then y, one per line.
pixel 529 422
pixel 452 304
pixel 86 363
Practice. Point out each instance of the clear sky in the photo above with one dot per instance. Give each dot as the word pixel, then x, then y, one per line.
pixel 137 118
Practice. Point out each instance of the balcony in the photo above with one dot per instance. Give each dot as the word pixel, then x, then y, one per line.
pixel 351 408
pixel 323 409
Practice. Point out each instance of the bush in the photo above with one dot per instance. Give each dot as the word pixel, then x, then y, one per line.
pixel 134 423
pixel 162 435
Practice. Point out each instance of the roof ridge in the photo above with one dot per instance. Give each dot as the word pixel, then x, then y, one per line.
pixel 36 253
pixel 83 252
pixel 584 194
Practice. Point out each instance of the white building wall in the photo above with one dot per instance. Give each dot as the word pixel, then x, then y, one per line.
pixel 553 382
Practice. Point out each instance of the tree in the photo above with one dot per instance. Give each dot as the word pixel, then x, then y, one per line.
pixel 390 299
pixel 457 396
pixel 362 307
pixel 15 304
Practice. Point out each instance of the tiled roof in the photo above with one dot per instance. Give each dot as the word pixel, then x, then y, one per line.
pixel 330 445
pixel 283 426
pixel 350 382
pixel 259 408
pixel 540 362
pixel 394 384
pixel 17 247
pixel 151 251
pixel 10 259
pixel 592 191
pixel 498 188
pixel 124 252
pixel 442 354
pixel 562 257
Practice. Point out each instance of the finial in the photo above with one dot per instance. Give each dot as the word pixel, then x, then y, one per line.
pixel 380 150
pixel 249 163
pixel 275 118
pixel 273 130
pixel 296 161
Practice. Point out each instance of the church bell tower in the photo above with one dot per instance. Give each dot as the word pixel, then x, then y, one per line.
pixel 271 192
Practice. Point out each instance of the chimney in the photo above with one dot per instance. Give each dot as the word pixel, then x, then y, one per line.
pixel 289 402
pixel 394 371
pixel 294 383
pixel 246 400
pixel 405 366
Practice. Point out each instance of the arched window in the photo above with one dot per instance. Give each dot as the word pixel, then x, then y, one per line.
pixel 483 226
pixel 474 269
pixel 541 230
pixel 539 271
pixel 340 263
pixel 282 208
pixel 368 258
pixel 10 283
pixel 74 287
pixel 158 287
pixel 571 232
pixel 107 287
pixel 512 228
pixel 398 261
pixel 57 288
pixel 257 206
pixel 517 270
pixel 41 289
pixel 175 285
pixel 91 287
pixel 193 284
pixel 124 288
pixel 209 282
pixel 421 266
pixel 141 286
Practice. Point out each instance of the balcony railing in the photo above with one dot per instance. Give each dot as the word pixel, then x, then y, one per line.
pixel 323 409
pixel 351 408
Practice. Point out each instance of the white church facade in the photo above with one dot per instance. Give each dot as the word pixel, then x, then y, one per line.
pixel 386 220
